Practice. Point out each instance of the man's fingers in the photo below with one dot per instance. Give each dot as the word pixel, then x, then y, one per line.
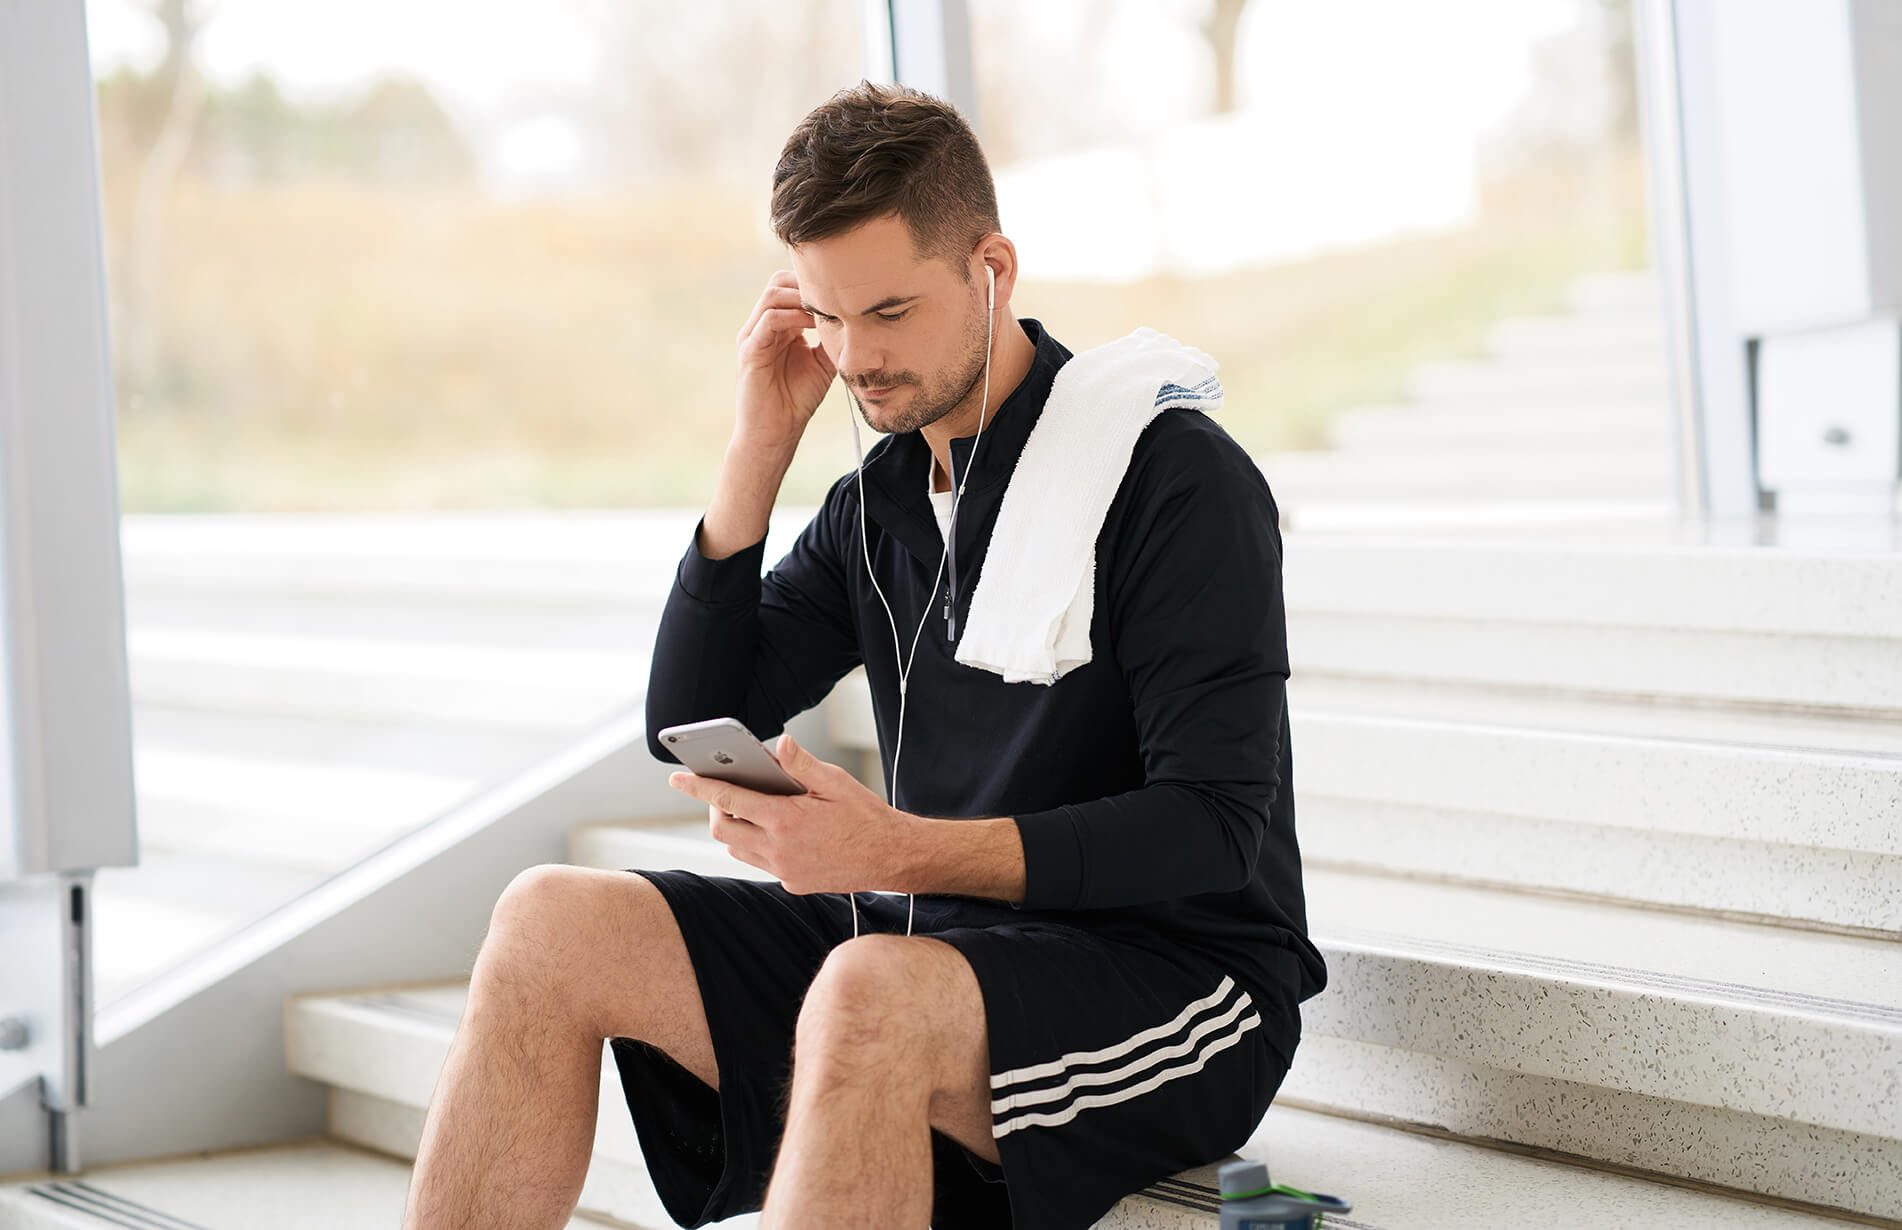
pixel 811 771
pixel 790 755
pixel 737 801
pixel 776 295
pixel 818 352
pixel 777 325
pixel 727 828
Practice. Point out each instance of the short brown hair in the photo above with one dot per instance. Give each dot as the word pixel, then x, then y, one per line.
pixel 872 150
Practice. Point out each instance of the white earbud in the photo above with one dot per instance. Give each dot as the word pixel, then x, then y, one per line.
pixel 904 661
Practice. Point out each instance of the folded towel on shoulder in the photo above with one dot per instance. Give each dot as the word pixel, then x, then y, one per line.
pixel 1032 604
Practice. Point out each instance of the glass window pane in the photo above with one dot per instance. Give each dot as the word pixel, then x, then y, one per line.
pixel 419 307
pixel 1413 235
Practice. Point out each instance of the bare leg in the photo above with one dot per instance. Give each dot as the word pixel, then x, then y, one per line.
pixel 573 956
pixel 891 1042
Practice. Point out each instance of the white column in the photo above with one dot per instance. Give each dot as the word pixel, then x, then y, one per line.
pixel 1787 197
pixel 927 45
pixel 66 799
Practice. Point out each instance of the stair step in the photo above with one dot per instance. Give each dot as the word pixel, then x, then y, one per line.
pixel 1788 834
pixel 1540 382
pixel 1298 477
pixel 374 1041
pixel 313 1185
pixel 1599 521
pixel 1629 292
pixel 1493 1013
pixel 1621 430
pixel 1844 732
pixel 1748 1056
pixel 1397 1178
pixel 1750 625
pixel 379 680
pixel 524 619
pixel 381 1052
pixel 534 560
pixel 437 749
pixel 1772 815
pixel 1626 334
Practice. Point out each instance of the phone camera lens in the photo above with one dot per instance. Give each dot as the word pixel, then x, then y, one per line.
pixel 673 738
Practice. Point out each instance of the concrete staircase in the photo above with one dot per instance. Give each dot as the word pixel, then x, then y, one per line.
pixel 1599 827
pixel 307 689
pixel 1567 417
pixel 1602 848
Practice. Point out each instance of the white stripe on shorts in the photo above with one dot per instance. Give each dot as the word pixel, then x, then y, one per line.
pixel 1202 1030
pixel 1210 1050
pixel 1000 1080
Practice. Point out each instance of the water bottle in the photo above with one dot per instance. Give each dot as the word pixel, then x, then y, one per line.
pixel 1251 1202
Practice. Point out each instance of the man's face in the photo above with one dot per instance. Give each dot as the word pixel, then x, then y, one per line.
pixel 907 335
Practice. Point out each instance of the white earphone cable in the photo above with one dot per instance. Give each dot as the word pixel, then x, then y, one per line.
pixel 904 666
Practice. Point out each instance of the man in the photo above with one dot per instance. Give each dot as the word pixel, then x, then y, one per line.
pixel 1100 982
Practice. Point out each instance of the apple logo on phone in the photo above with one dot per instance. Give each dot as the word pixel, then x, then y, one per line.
pixel 722 758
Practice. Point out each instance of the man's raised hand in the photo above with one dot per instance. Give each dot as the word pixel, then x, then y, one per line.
pixel 783 378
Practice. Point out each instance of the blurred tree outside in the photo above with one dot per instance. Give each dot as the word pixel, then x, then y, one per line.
pixel 332 303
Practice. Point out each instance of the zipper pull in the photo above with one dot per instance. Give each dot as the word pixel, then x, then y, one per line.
pixel 950 614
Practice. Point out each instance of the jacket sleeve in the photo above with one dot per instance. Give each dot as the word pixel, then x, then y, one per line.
pixel 1196 619
pixel 760 649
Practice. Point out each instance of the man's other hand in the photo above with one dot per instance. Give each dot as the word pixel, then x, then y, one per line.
pixel 837 837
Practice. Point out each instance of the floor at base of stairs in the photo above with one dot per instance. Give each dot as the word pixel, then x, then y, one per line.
pixel 308 1185
pixel 1395 1179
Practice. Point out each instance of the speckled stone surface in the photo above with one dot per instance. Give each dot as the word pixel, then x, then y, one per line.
pixel 1843 888
pixel 1786 1024
pixel 1398 1180
pixel 1755 667
pixel 1795 797
pixel 1584 1117
pixel 1797 1035
pixel 1658 1041
pixel 1817 972
pixel 1701 589
pixel 1735 1149
pixel 1839 731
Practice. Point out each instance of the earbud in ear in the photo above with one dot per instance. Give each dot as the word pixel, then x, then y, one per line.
pixel 990 294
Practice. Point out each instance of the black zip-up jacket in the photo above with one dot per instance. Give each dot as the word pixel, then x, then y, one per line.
pixel 1152 787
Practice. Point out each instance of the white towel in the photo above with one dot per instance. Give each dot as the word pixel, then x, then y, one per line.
pixel 1031 607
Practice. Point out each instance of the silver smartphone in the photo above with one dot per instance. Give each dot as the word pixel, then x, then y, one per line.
pixel 725 749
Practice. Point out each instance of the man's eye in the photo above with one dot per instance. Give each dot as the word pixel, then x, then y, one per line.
pixel 891 316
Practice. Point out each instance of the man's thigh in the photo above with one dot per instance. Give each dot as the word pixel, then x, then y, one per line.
pixel 916 1002
pixel 611 944
pixel 1113 1060
pixel 961 1108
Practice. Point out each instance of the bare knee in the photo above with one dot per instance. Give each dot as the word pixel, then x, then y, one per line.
pixel 866 1010
pixel 576 938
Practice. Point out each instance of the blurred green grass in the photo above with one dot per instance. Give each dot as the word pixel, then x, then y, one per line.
pixel 332 347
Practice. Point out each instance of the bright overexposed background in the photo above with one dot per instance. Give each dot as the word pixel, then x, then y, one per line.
pixel 423 254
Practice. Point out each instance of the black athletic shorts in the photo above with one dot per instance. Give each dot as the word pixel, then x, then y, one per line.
pixel 1113 1064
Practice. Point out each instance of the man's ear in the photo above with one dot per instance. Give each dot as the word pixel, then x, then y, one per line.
pixel 997 251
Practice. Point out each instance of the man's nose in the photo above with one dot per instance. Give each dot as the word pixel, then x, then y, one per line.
pixel 858 356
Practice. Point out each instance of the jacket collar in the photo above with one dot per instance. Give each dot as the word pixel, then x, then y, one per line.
pixel 895 470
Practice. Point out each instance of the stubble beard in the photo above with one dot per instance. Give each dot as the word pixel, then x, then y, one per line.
pixel 930 405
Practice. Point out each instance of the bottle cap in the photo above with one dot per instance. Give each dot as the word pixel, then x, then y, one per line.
pixel 1240 1179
